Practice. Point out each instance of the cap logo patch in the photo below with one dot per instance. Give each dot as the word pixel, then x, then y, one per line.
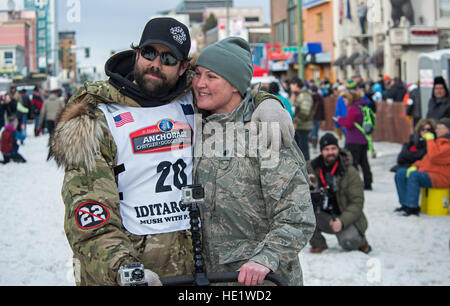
pixel 178 34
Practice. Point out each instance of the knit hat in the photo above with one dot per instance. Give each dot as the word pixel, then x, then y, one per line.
pixel 351 84
pixel 445 121
pixel 440 80
pixel 327 140
pixel 168 32
pixel 230 58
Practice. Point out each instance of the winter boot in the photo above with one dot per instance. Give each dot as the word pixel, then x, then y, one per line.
pixel 408 211
pixel 400 209
pixel 318 250
pixel 366 248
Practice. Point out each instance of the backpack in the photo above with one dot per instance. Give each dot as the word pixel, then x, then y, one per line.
pixel 369 121
pixel 7 141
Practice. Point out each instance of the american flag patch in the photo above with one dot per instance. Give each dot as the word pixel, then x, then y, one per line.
pixel 122 119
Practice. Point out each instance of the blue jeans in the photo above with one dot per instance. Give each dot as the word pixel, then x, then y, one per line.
pixel 408 189
pixel 315 130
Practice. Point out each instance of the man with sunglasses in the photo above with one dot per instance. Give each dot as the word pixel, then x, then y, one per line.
pixel 126 145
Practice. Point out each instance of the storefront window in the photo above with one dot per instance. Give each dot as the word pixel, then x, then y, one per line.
pixel 444 8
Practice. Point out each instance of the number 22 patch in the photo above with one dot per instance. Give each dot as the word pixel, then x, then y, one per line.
pixel 91 214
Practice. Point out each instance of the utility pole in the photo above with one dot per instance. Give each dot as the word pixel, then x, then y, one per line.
pixel 301 68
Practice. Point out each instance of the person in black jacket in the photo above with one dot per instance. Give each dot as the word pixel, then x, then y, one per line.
pixel 414 108
pixel 439 104
pixel 416 148
pixel 23 108
pixel 318 116
pixel 397 91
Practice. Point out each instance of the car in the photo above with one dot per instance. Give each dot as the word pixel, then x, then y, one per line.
pixel 265 81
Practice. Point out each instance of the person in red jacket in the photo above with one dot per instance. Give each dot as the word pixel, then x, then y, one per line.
pixel 432 171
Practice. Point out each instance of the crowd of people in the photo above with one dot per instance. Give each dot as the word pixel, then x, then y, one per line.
pixel 427 150
pixel 123 184
pixel 17 108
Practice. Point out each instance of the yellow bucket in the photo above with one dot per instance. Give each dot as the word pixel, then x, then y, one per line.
pixel 423 200
pixel 435 201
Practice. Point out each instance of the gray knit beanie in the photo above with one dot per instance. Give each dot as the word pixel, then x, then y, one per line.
pixel 230 58
pixel 445 121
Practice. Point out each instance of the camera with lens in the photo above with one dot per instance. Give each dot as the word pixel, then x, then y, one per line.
pixel 318 198
pixel 132 274
pixel 192 194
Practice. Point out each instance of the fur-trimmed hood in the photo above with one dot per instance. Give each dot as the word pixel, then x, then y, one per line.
pixel 78 132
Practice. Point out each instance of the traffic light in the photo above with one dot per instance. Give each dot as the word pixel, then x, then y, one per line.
pixel 86 52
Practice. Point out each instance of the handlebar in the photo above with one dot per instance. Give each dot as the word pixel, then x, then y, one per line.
pixel 217 277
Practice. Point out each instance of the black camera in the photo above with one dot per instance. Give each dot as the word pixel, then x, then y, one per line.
pixel 318 198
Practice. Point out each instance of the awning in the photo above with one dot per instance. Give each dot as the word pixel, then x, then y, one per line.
pixel 363 59
pixel 340 61
pixel 351 59
pixel 377 58
pixel 319 58
pixel 314 48
pixel 278 65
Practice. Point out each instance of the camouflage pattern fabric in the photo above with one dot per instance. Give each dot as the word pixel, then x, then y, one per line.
pixel 254 213
pixel 303 111
pixel 93 224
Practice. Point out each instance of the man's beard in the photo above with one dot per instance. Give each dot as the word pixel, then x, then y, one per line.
pixel 150 87
pixel 330 159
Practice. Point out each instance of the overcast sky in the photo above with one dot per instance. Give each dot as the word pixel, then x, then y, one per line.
pixel 107 25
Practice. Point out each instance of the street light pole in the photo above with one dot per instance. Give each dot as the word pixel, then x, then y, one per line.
pixel 301 68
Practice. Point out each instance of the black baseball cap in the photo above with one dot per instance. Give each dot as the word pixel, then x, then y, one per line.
pixel 168 32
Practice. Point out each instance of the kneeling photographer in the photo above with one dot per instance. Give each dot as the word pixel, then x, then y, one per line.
pixel 337 192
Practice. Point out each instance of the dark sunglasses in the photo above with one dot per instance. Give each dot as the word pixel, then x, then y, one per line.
pixel 167 58
pixel 425 130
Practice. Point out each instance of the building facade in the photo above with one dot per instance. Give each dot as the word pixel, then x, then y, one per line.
pixel 42 55
pixel 318 48
pixel 12 59
pixel 16 43
pixel 392 38
pixel 372 38
pixel 67 58
pixel 196 8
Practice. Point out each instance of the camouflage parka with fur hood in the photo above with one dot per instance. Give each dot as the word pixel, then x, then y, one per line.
pixel 85 147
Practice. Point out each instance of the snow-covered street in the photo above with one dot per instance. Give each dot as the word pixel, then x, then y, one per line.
pixel 34 250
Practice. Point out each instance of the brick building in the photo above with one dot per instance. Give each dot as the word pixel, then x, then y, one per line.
pixel 317 30
pixel 67 58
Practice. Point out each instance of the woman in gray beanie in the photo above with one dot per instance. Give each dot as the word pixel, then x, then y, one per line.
pixel 256 218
